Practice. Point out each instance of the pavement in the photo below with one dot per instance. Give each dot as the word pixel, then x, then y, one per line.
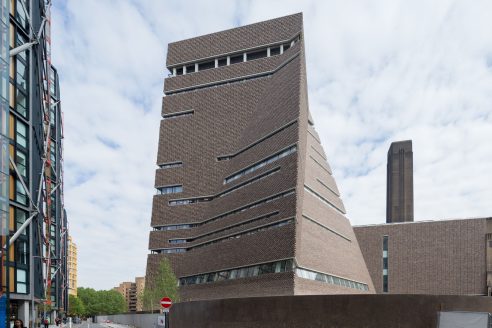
pixel 86 324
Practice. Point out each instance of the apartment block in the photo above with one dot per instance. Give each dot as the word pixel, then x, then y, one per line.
pixel 131 291
pixel 33 224
pixel 246 203
pixel 72 267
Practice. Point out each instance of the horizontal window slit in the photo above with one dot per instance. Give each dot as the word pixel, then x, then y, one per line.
pixel 178 114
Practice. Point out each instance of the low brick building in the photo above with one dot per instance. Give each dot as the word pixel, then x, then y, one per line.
pixel 447 257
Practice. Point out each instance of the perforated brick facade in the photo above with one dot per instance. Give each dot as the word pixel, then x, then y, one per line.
pixel 247 153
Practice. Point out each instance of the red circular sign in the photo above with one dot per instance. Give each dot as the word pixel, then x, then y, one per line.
pixel 166 302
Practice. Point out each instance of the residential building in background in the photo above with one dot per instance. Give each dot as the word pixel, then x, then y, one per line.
pixel 33 219
pixel 139 289
pixel 399 179
pixel 72 267
pixel 246 201
pixel 447 257
pixel 131 291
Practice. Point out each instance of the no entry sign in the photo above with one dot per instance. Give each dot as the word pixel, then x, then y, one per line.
pixel 166 302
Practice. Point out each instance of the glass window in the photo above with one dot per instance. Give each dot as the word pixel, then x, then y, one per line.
pixel 20 218
pixel 170 189
pixel 274 51
pixel 190 69
pixel 21 162
pixel 21 75
pixel 20 193
pixel 21 281
pixel 222 62
pixel 20 102
pixel 20 13
pixel 53 112
pixel 206 65
pixel 21 134
pixel 20 41
pixel 257 55
pixel 237 59
pixel 179 71
pixel 52 153
pixel 21 248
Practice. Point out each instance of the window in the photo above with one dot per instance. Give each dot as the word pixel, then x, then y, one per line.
pixel 237 273
pixel 21 75
pixel 257 55
pixel 20 218
pixel 20 193
pixel 21 249
pixel 190 69
pixel 21 134
pixel 177 241
pixel 20 14
pixel 234 59
pixel 221 216
pixel 206 65
pixel 237 59
pixel 21 281
pixel 173 250
pixel 194 200
pixel 53 154
pixel 235 236
pixel 21 163
pixel 178 114
pixel 330 279
pixel 222 62
pixel 170 189
pixel 20 102
pixel 170 165
pixel 385 264
pixel 259 165
pixel 274 51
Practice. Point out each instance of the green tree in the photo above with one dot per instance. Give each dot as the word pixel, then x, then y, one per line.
pixel 111 302
pixel 101 301
pixel 164 283
pixel 75 306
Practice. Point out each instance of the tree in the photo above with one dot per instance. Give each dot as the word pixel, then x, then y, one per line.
pixel 75 306
pixel 111 302
pixel 101 301
pixel 163 283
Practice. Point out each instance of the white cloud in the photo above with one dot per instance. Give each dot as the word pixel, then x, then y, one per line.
pixel 377 72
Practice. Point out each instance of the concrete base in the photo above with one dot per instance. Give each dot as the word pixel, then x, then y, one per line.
pixel 323 311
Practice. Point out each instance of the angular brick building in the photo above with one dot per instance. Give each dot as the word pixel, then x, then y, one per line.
pixel 247 204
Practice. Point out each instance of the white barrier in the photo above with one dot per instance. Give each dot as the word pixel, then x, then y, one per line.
pixel 137 320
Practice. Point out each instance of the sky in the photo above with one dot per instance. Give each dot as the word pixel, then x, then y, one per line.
pixel 378 71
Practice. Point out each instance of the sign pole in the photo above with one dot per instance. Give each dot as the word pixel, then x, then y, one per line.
pixel 166 303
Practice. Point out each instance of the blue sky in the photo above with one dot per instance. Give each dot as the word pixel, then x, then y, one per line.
pixel 378 71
